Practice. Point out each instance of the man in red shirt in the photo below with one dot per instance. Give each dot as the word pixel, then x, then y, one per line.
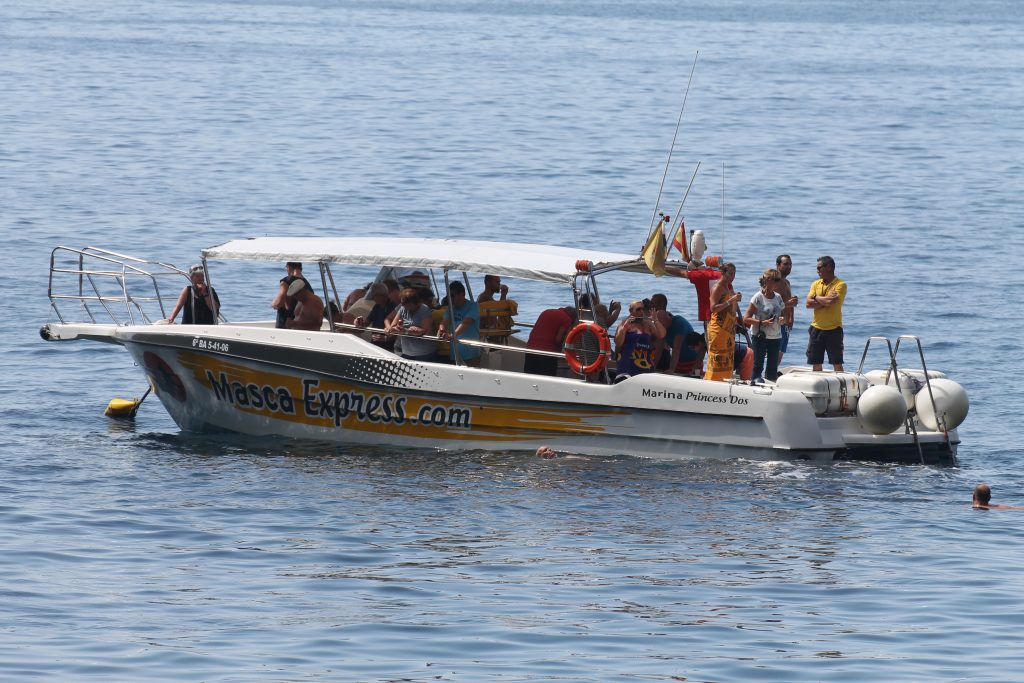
pixel 701 277
pixel 548 334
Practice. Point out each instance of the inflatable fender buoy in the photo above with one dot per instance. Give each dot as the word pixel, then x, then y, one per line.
pixel 950 402
pixel 881 409
pixel 697 245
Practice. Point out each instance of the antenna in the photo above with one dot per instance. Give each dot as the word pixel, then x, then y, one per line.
pixel 668 161
pixel 723 210
pixel 679 212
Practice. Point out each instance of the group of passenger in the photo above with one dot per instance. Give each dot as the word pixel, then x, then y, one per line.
pixel 399 316
pixel 650 339
pixel 769 317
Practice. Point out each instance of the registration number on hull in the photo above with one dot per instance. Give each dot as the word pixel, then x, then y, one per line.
pixel 210 345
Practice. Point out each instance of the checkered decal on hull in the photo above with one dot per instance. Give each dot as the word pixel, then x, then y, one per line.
pixel 390 373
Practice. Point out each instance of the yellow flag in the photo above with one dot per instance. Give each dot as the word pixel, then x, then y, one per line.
pixel 655 251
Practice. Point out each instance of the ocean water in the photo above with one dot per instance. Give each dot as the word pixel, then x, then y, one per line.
pixel 887 135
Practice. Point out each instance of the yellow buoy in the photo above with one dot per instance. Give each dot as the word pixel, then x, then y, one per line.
pixel 121 407
pixel 125 407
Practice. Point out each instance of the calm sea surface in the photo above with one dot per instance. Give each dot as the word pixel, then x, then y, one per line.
pixel 889 136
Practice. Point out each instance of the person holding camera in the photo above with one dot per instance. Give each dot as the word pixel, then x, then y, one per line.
pixel 198 301
pixel 764 317
pixel 636 340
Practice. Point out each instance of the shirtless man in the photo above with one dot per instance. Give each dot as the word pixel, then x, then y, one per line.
pixel 309 309
pixel 982 496
pixel 784 264
pixel 548 453
pixel 492 286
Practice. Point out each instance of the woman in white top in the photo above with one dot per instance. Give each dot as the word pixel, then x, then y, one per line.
pixel 762 318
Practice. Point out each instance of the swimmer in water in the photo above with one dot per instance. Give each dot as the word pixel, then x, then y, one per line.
pixel 982 496
pixel 547 453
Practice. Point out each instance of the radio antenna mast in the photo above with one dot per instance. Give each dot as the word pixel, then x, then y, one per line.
pixel 723 210
pixel 668 161
pixel 679 213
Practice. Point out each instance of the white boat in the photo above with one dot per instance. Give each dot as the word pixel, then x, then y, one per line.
pixel 252 378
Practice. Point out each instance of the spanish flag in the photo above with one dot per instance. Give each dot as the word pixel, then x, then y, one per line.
pixel 656 250
pixel 679 241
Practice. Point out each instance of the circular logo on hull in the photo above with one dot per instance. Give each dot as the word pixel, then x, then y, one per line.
pixel 164 377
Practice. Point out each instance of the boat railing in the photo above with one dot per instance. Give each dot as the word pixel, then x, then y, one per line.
pixel 349 328
pixel 102 285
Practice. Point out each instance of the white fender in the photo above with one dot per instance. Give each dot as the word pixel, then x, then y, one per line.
pixel 697 245
pixel 950 402
pixel 881 409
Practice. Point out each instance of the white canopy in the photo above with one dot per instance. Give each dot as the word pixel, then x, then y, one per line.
pixel 528 261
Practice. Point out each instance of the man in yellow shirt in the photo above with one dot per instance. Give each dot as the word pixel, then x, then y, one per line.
pixel 826 300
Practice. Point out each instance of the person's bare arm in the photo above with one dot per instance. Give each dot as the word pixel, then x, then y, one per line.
pixel 424 329
pixel 748 317
pixel 657 329
pixel 677 347
pixel 721 299
pixel 822 301
pixel 182 298
pixel 620 334
pixel 281 298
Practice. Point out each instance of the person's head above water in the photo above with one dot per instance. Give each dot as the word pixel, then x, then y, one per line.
pixel 982 494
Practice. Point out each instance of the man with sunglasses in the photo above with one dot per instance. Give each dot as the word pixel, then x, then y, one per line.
pixel 826 298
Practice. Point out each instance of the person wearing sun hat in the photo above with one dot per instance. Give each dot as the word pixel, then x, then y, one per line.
pixel 309 311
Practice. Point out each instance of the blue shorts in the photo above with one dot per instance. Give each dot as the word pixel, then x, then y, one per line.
pixel 784 342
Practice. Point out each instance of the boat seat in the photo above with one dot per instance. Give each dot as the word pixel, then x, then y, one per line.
pixel 437 315
pixel 497 320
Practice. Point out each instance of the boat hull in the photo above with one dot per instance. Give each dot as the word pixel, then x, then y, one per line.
pixel 330 387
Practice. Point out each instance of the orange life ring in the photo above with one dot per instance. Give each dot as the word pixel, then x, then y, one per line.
pixel 604 347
